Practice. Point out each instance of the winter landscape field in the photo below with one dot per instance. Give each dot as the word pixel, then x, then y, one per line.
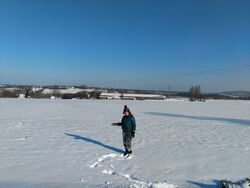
pixel 71 143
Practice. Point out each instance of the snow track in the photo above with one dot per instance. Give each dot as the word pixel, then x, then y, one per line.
pixel 132 180
pixel 103 158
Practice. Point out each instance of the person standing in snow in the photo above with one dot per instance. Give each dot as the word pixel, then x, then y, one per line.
pixel 128 125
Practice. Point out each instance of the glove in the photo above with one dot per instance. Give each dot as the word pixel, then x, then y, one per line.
pixel 117 124
pixel 133 134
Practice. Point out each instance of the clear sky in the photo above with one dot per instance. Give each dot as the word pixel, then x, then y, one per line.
pixel 126 43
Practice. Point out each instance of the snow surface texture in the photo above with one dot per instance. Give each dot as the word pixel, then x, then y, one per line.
pixel 70 143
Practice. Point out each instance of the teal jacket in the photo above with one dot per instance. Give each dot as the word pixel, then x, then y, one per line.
pixel 128 123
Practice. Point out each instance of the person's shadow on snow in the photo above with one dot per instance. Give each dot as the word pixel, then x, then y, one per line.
pixel 77 137
pixel 215 184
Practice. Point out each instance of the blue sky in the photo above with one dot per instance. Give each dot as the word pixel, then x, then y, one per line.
pixel 126 44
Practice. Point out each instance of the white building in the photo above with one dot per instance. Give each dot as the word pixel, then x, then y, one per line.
pixel 21 96
pixel 129 96
pixel 109 96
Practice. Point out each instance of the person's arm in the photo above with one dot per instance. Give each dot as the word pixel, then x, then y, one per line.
pixel 118 123
pixel 133 126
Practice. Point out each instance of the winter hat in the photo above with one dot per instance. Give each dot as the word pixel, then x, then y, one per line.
pixel 126 109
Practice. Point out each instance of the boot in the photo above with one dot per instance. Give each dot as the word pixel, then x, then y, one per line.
pixel 130 152
pixel 126 152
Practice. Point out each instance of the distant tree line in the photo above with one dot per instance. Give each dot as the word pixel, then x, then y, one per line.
pixel 8 93
pixel 194 93
pixel 29 93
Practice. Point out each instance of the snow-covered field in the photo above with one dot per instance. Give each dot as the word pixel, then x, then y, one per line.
pixel 70 143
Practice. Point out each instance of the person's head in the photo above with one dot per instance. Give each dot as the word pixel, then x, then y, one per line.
pixel 126 111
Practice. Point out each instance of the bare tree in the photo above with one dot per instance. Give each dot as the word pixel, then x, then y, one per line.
pixel 195 93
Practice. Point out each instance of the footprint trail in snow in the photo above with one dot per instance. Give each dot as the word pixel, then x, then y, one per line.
pixel 135 182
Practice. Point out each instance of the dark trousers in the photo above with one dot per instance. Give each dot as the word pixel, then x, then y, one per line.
pixel 127 140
